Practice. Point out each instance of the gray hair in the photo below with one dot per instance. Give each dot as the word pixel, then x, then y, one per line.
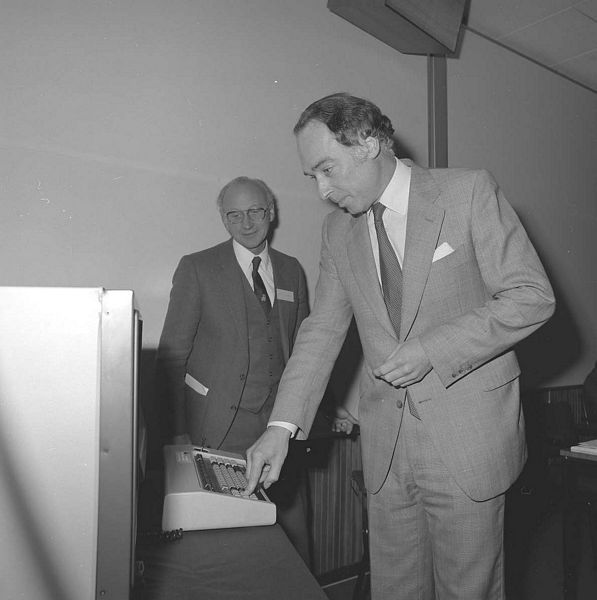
pixel 269 195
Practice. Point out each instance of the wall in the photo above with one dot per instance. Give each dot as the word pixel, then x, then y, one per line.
pixel 537 133
pixel 120 122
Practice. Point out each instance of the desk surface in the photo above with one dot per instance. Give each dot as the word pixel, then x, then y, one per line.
pixel 224 564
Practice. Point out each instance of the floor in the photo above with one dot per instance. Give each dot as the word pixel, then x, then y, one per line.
pixel 537 551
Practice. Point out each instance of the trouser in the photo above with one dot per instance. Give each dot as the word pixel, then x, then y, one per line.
pixel 428 540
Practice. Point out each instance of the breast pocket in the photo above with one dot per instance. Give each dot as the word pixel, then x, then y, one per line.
pixel 449 260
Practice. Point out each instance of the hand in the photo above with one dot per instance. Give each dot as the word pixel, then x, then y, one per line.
pixel 266 457
pixel 343 421
pixel 406 365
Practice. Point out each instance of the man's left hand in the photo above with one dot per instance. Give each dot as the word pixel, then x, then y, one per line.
pixel 406 365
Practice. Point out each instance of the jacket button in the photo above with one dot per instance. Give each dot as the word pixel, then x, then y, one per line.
pixel 242 376
pixel 399 404
pixel 233 407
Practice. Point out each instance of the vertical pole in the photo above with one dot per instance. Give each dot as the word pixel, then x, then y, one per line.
pixel 437 111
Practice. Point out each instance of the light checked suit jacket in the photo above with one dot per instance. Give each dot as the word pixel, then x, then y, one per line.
pixel 205 335
pixel 468 309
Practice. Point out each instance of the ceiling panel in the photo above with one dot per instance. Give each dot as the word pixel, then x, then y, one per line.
pixel 559 34
pixel 555 39
pixel 496 18
pixel 583 68
pixel 588 7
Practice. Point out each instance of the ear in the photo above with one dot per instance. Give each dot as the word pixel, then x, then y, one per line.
pixel 372 146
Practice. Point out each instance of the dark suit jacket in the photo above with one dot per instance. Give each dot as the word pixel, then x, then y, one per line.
pixel 205 336
pixel 473 287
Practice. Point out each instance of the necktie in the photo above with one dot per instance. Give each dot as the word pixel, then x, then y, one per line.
pixel 389 269
pixel 259 287
pixel 391 280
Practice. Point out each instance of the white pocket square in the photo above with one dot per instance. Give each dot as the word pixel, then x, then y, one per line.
pixel 442 251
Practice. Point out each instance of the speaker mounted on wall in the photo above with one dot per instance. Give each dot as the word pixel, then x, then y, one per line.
pixel 428 27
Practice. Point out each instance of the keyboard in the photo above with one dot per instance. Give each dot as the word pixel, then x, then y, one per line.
pixel 202 490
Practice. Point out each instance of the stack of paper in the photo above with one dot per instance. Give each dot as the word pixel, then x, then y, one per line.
pixel 589 447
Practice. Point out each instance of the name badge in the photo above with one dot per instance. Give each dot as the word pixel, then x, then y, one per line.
pixel 287 295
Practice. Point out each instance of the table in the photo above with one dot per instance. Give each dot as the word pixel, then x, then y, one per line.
pixel 248 563
pixel 570 517
pixel 243 563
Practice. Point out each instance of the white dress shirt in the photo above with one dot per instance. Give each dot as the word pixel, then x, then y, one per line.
pixel 395 198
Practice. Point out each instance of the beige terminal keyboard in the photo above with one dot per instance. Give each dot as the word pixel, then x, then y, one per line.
pixel 202 490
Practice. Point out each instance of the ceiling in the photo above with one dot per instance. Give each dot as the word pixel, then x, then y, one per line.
pixel 558 34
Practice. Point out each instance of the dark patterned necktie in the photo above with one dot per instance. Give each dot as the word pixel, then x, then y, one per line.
pixel 389 269
pixel 259 288
pixel 391 281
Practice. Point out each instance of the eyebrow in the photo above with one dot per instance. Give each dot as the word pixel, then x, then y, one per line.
pixel 315 167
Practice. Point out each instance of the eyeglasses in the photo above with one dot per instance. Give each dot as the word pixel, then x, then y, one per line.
pixel 254 214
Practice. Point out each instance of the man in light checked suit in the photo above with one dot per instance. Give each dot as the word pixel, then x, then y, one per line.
pixel 442 429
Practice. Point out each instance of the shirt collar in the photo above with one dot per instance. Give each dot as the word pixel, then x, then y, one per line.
pixel 395 196
pixel 245 257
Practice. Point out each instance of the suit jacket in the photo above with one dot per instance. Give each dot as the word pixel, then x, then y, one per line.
pixel 205 336
pixel 484 291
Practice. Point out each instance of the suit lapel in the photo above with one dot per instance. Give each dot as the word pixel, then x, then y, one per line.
pixel 360 255
pixel 283 282
pixel 423 227
pixel 230 288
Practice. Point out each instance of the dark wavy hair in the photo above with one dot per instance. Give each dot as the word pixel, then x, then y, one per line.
pixel 349 118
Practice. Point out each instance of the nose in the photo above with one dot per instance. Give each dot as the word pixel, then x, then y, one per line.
pixel 322 187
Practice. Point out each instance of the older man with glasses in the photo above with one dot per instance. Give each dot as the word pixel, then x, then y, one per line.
pixel 234 312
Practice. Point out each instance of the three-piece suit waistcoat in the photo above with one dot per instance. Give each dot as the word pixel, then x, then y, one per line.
pixel 266 361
